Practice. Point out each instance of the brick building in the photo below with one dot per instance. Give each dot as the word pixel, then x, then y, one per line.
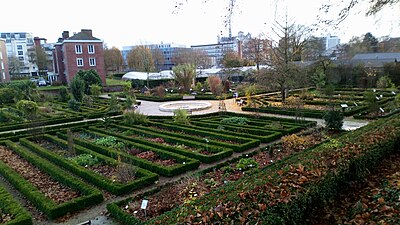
pixel 81 51
pixel 4 73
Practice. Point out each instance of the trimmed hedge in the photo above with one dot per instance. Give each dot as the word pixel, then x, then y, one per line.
pixel 15 135
pixel 184 163
pixel 239 130
pixel 218 152
pixel 143 177
pixel 244 143
pixel 286 191
pixel 46 122
pixel 9 205
pixel 90 196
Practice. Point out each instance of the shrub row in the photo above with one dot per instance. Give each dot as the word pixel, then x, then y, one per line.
pixel 285 192
pixel 15 135
pixel 290 112
pixel 264 125
pixel 218 152
pixel 244 143
pixel 239 130
pixel 142 177
pixel 39 123
pixel 184 163
pixel 9 205
pixel 90 196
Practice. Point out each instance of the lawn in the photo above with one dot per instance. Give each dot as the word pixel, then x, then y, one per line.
pixel 114 82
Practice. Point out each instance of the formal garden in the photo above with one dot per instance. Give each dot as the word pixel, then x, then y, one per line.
pixel 67 150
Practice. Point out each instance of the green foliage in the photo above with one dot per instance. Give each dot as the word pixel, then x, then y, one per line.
pixel 329 90
pixel 318 78
pixel 235 120
pixel 86 160
pixel 87 101
pixel 28 108
pixel 198 86
pixel 333 120
pixel 114 105
pixel 110 142
pixel 372 102
pixel 129 101
pixel 184 75
pixel 7 95
pixel 95 90
pixel 74 105
pixel 90 77
pixel 246 164
pixel 78 88
pixel 64 94
pixel 135 118
pixel 181 116
pixel 126 87
pixel 384 82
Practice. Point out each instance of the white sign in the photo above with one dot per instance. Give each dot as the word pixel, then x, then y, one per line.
pixel 381 110
pixel 393 92
pixel 344 105
pixel 144 204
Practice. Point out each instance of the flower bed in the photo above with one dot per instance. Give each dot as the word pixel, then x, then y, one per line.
pixel 53 204
pixel 284 192
pixel 105 174
pixel 194 149
pixel 87 139
pixel 194 187
pixel 11 212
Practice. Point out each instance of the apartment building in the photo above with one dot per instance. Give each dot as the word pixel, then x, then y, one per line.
pixel 4 73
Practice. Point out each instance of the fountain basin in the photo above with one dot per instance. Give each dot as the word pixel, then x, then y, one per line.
pixel 188 105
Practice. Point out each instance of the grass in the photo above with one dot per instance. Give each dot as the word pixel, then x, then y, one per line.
pixel 114 82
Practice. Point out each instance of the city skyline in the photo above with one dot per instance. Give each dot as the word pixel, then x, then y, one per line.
pixel 124 23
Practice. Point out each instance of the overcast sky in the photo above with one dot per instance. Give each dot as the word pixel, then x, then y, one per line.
pixel 130 22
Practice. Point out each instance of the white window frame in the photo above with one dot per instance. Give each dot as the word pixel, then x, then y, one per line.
pixel 19 47
pixel 79 62
pixel 91 49
pixel 4 75
pixel 22 53
pixel 2 65
pixel 78 49
pixel 92 61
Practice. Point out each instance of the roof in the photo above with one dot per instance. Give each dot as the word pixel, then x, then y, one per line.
pixel 375 59
pixel 168 74
pixel 378 56
pixel 83 36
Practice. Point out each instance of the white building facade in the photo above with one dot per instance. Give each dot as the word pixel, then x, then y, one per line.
pixel 18 45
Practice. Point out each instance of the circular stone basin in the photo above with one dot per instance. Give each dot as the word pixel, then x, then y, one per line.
pixel 188 105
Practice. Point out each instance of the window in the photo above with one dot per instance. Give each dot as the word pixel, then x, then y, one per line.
pixel 92 61
pixel 20 53
pixel 79 62
pixel 1 55
pixel 4 75
pixel 2 65
pixel 21 58
pixel 78 49
pixel 90 49
pixel 19 47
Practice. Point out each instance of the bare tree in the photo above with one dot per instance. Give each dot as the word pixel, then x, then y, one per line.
pixel 195 57
pixel 256 50
pixel 141 59
pixel 14 65
pixel 158 58
pixel 113 59
pixel 282 53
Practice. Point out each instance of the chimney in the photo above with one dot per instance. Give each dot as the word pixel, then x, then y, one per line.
pixel 36 40
pixel 87 31
pixel 65 34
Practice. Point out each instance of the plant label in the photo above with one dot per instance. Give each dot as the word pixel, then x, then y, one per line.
pixel 144 204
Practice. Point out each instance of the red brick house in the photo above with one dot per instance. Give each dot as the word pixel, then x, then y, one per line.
pixel 81 51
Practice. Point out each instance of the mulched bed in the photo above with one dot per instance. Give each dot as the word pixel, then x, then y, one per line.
pixel 56 191
pixel 191 187
pixel 375 200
